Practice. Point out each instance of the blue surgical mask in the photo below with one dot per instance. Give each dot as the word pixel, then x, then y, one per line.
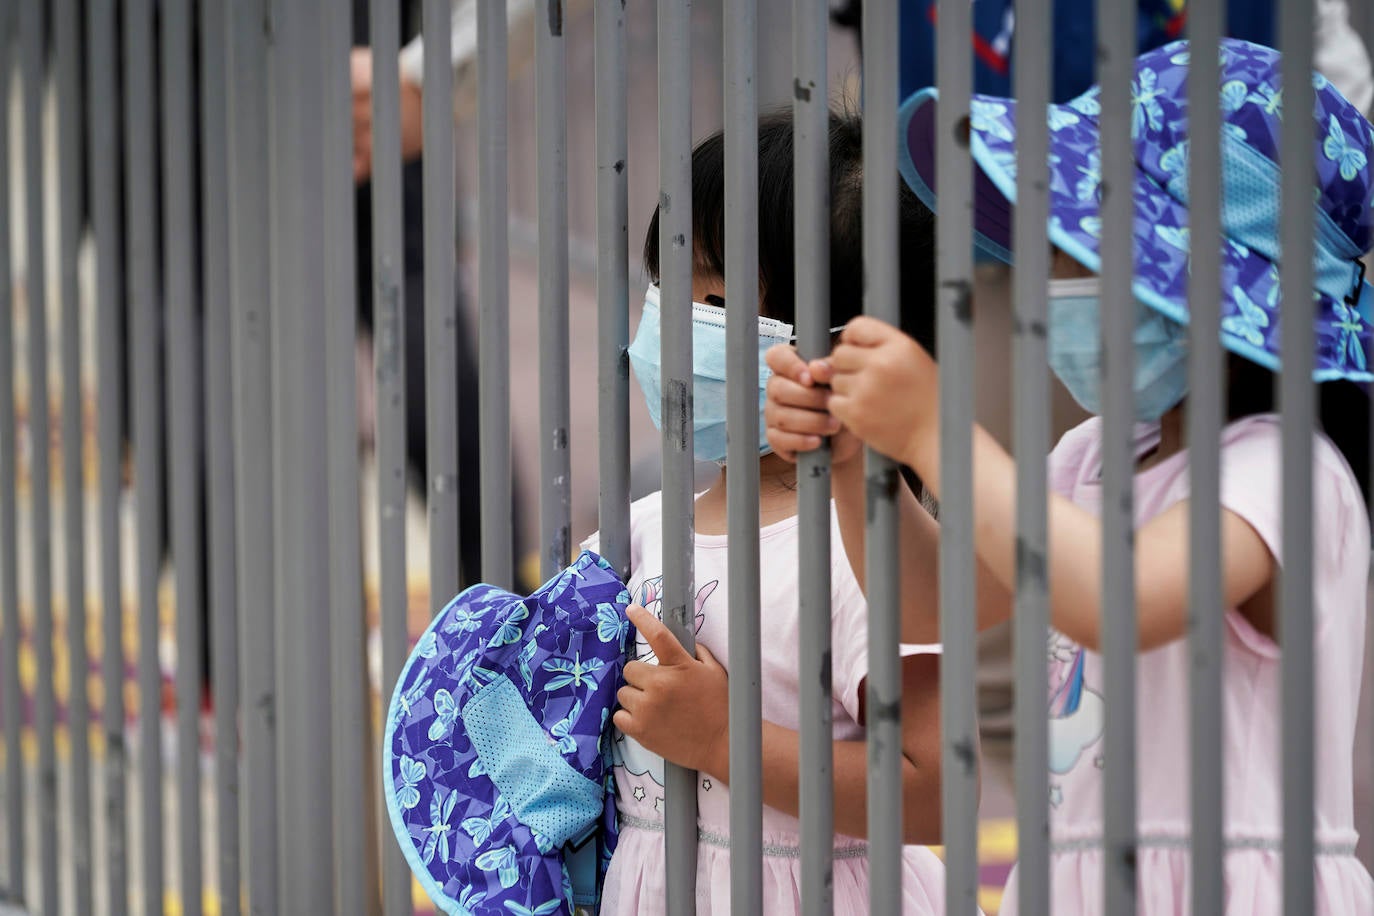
pixel 708 371
pixel 1075 350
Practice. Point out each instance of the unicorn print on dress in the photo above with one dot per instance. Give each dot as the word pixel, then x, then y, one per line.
pixel 1076 713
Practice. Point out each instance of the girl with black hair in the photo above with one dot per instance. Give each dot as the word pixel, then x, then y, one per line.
pixel 674 706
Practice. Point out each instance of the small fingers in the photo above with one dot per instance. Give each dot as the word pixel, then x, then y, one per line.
pixel 787 445
pixel 629 697
pixel 802 422
pixel 841 405
pixel 705 657
pixel 847 358
pixel 638 674
pixel 784 360
pixel 782 390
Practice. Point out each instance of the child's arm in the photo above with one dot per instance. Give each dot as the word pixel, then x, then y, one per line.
pixel 874 360
pixel 796 418
pixel 679 710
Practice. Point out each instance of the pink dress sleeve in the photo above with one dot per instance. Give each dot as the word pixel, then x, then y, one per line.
pixel 1076 448
pixel 849 634
pixel 1252 488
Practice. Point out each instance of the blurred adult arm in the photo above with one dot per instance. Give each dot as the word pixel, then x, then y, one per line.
pixel 463 49
pixel 1340 54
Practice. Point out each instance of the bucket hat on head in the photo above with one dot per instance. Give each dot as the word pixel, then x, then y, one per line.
pixel 496 753
pixel 1251 107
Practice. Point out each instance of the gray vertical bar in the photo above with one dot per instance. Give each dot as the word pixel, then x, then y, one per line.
pixel 351 733
pixel 220 548
pixel 675 248
pixel 1031 429
pixel 493 295
pixel 184 425
pixel 145 363
pixel 881 292
pixel 954 329
pixel 742 432
pixel 389 345
pixel 441 307
pixel 33 45
pixel 68 46
pixel 302 522
pixel 810 113
pixel 104 162
pixel 551 138
pixel 1115 46
pixel 252 389
pixel 1206 394
pixel 612 286
pixel 1297 401
pixel 9 561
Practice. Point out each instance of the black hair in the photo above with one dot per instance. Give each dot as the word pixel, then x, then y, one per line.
pixel 916 243
pixel 1342 410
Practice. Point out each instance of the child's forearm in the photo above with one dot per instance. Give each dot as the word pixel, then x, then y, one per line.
pixel 782 786
pixel 919 557
pixel 1074 564
pixel 918 548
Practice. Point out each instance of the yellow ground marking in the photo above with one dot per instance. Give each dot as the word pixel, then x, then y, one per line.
pixel 209 902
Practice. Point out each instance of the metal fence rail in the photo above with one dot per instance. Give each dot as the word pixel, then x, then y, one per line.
pixel 882 578
pixel 214 534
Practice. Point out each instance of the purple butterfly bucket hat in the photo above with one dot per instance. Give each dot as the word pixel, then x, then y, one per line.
pixel 1251 108
pixel 496 752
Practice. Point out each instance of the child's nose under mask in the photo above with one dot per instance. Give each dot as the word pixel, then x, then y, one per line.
pixel 708 371
pixel 1075 350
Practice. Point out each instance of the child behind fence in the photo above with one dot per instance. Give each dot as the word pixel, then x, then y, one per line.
pixel 884 388
pixel 675 704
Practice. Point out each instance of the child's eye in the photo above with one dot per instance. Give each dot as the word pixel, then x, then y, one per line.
pixel 717 301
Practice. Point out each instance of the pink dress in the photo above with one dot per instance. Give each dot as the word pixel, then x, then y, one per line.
pixel 635 882
pixel 1253 823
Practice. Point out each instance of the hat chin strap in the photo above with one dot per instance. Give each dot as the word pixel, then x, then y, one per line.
pixel 1250 215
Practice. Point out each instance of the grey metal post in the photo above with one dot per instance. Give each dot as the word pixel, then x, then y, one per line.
pixel 70 129
pixel 493 295
pixel 811 127
pixel 352 737
pixel 954 285
pixel 220 547
pixel 252 389
pixel 105 161
pixel 551 138
pixel 184 408
pixel 32 55
pixel 675 258
pixel 9 560
pixel 441 307
pixel 1297 402
pixel 1205 400
pixel 302 521
pixel 388 297
pixel 881 300
pixel 145 363
pixel 613 286
pixel 1115 54
pixel 1031 430
pixel 742 432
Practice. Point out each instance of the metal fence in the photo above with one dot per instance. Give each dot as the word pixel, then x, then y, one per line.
pixel 242 329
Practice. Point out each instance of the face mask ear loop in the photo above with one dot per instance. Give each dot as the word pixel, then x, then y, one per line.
pixel 832 331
